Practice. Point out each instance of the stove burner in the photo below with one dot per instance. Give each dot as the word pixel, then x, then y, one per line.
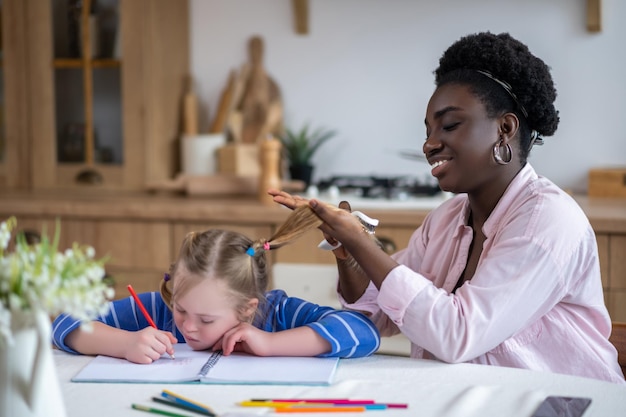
pixel 379 187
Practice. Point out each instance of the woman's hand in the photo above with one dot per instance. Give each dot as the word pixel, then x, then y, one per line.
pixel 339 224
pixel 286 199
pixel 340 252
pixel 293 201
pixel 147 345
pixel 373 262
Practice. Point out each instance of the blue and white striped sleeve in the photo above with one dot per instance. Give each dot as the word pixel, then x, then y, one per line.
pixel 123 314
pixel 350 334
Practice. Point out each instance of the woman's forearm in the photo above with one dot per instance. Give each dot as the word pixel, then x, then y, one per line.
pixel 372 260
pixel 352 279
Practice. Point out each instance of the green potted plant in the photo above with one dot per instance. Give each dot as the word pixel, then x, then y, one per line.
pixel 299 148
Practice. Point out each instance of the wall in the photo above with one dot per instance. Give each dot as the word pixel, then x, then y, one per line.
pixel 365 69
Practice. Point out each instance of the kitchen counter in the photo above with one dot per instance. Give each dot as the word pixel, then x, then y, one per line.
pixel 146 206
pixel 605 214
pixel 142 232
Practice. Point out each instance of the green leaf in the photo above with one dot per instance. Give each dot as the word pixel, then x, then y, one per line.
pixel 300 146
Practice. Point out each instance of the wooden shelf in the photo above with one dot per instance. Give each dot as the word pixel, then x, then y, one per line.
pixel 79 63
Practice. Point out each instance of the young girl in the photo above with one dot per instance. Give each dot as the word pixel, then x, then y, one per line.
pixel 215 297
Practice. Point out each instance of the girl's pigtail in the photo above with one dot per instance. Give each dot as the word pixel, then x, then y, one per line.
pixel 301 220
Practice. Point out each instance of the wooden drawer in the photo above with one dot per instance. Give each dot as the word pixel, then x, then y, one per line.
pixel 603 253
pixel 252 231
pixel 141 280
pixel 144 245
pixel 607 182
pixel 305 250
pixel 617 262
pixel 617 305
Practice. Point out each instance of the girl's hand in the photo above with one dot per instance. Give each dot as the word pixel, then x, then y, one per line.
pixel 245 338
pixel 147 345
pixel 286 199
pixel 298 341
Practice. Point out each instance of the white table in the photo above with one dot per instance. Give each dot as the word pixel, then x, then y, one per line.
pixel 429 387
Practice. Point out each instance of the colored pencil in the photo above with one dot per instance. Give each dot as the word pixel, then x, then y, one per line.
pixel 312 409
pixel 132 292
pixel 157 411
pixel 318 400
pixel 314 405
pixel 277 402
pixel 182 406
pixel 396 405
pixel 320 403
pixel 186 401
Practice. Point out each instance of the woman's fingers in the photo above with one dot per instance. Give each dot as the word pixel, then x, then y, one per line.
pixel 286 199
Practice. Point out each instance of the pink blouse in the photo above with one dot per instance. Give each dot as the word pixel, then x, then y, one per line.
pixel 535 300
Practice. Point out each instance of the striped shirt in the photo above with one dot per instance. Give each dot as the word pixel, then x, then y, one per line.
pixel 349 333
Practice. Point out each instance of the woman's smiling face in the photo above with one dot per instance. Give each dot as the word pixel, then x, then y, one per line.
pixel 205 312
pixel 459 139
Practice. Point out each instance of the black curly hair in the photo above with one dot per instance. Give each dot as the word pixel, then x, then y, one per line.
pixel 510 61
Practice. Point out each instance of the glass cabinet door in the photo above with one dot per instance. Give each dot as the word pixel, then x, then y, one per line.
pixel 87 87
pixel 91 92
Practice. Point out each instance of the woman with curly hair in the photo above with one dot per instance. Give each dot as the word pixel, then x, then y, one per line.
pixel 506 272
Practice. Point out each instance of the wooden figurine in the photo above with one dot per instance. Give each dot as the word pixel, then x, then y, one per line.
pixel 259 110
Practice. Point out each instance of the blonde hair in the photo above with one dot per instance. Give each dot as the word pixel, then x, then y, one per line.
pixel 234 258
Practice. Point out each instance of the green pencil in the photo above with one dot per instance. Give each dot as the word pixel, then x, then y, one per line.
pixel 157 411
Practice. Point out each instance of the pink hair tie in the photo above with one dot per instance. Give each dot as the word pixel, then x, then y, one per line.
pixel 266 245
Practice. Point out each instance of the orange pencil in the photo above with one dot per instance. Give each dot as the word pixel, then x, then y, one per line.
pixel 143 309
pixel 339 409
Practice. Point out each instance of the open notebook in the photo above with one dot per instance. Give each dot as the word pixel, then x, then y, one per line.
pixel 212 368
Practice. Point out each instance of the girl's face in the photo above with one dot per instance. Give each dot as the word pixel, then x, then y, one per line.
pixel 205 313
pixel 460 139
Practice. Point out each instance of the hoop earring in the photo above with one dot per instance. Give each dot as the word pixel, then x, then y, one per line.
pixel 496 153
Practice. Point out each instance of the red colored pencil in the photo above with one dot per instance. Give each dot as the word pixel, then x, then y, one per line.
pixel 143 310
pixel 141 307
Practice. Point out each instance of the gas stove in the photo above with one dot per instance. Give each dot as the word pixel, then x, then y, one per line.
pixel 376 192
pixel 380 187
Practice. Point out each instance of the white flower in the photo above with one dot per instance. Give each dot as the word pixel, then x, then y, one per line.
pixel 39 277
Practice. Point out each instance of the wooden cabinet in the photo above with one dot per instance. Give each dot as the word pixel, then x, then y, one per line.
pixel 96 87
pixel 14 145
pixel 614 274
pixel 138 253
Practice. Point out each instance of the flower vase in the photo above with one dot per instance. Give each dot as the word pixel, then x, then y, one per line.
pixel 29 386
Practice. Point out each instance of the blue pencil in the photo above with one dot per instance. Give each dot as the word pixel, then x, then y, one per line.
pixel 173 403
pixel 192 405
